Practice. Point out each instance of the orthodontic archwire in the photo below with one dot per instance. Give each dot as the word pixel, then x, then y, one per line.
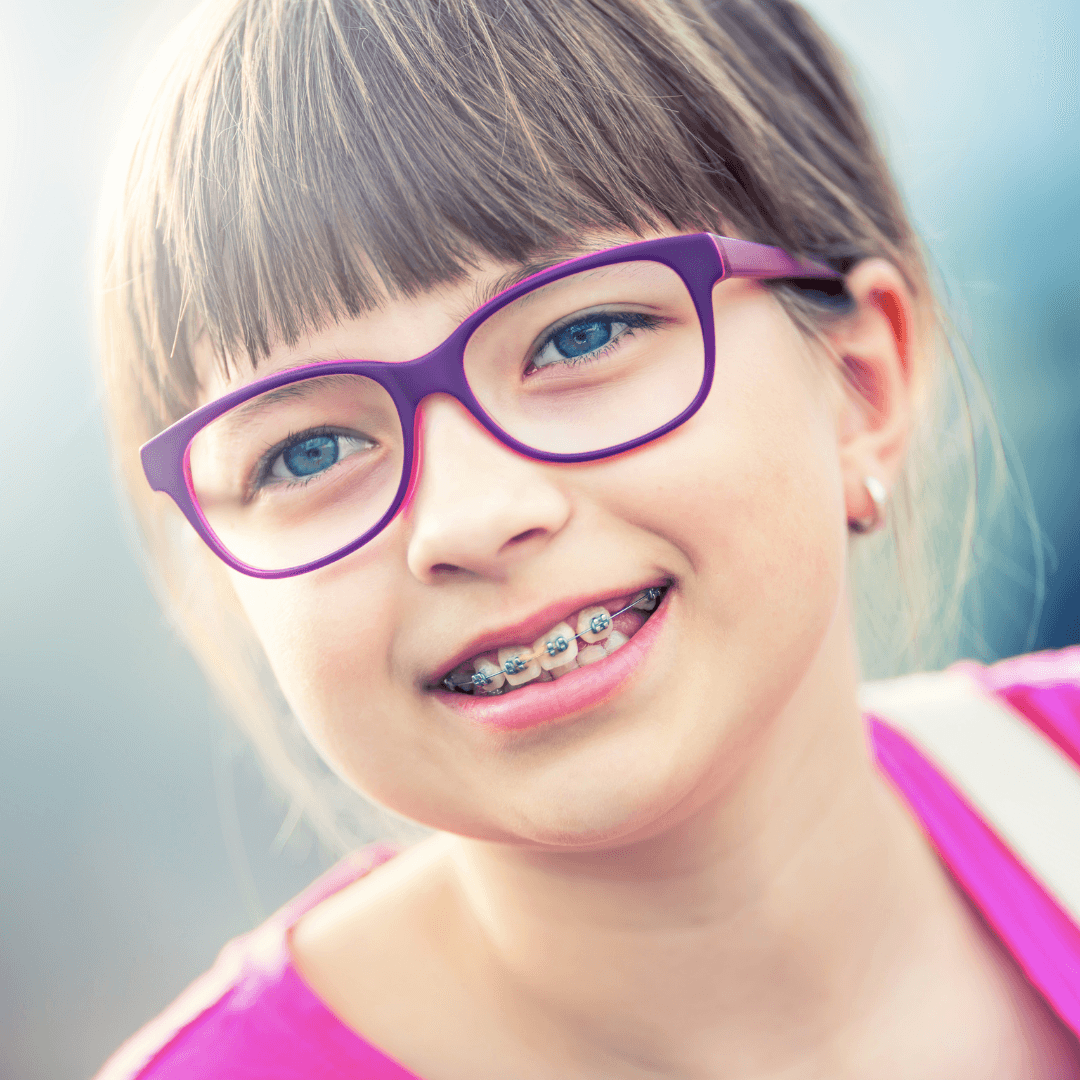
pixel 515 664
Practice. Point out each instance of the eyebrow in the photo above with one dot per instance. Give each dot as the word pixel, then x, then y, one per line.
pixel 243 415
pixel 544 259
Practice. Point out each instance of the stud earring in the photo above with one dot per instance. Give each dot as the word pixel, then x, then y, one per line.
pixel 876 490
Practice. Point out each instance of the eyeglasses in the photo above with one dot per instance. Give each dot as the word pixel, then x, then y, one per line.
pixel 583 361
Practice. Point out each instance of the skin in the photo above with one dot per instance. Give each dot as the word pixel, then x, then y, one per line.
pixel 704 876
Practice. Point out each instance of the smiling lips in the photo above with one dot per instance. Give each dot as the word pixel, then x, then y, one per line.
pixel 552 697
pixel 591 635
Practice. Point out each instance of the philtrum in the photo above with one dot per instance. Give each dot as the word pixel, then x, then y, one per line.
pixel 513 665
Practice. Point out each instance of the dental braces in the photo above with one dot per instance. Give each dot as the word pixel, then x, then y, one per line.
pixel 513 665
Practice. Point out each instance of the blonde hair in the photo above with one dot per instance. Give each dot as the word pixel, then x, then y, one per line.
pixel 291 159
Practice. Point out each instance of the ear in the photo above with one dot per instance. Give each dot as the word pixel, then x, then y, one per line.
pixel 875 345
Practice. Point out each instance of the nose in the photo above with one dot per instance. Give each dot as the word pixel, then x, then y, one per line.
pixel 479 508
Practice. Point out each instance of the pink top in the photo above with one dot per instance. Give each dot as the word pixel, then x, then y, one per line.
pixel 252 1016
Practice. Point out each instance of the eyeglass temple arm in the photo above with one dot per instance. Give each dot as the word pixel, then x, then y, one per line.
pixel 743 258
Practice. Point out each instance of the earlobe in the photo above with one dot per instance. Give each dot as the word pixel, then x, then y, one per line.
pixel 879 498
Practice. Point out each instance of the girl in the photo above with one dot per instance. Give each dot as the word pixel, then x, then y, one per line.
pixel 515 378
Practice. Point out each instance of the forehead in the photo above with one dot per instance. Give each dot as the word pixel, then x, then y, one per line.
pixel 395 328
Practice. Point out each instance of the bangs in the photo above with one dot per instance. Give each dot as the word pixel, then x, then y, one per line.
pixel 303 159
pixel 325 154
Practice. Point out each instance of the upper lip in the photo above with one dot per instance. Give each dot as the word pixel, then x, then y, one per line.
pixel 527 630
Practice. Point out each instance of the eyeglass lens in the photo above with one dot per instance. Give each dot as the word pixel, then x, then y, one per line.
pixel 589 361
pixel 578 365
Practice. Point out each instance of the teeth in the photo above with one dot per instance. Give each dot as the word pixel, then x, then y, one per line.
pixel 517 668
pixel 590 655
pixel 557 647
pixel 594 624
pixel 495 677
pixel 559 672
pixel 555 654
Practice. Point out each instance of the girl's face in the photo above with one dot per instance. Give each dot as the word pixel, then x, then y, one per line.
pixel 740 512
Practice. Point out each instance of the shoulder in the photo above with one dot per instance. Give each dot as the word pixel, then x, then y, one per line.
pixel 250 1015
pixel 221 1018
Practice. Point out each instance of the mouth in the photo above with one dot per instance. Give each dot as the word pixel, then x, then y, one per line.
pixel 580 639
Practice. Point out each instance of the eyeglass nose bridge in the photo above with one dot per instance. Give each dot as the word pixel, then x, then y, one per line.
pixel 410 383
pixel 441 371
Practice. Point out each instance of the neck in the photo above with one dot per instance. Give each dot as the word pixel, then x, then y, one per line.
pixel 759 911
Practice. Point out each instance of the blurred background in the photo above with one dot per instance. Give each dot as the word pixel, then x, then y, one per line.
pixel 136 834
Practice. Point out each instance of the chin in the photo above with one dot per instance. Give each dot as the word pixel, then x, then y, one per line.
pixel 612 795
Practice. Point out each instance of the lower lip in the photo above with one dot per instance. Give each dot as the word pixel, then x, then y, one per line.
pixel 541 703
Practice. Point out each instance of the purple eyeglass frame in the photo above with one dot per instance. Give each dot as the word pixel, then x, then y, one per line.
pixel 701 260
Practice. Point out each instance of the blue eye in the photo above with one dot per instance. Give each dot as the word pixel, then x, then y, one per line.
pixel 311 456
pixel 586 336
pixel 589 336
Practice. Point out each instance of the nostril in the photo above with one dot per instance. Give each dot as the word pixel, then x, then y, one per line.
pixel 528 534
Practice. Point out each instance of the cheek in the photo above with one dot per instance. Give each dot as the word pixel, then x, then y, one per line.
pixel 750 493
pixel 755 474
pixel 329 637
pixel 324 631
pixel 773 526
